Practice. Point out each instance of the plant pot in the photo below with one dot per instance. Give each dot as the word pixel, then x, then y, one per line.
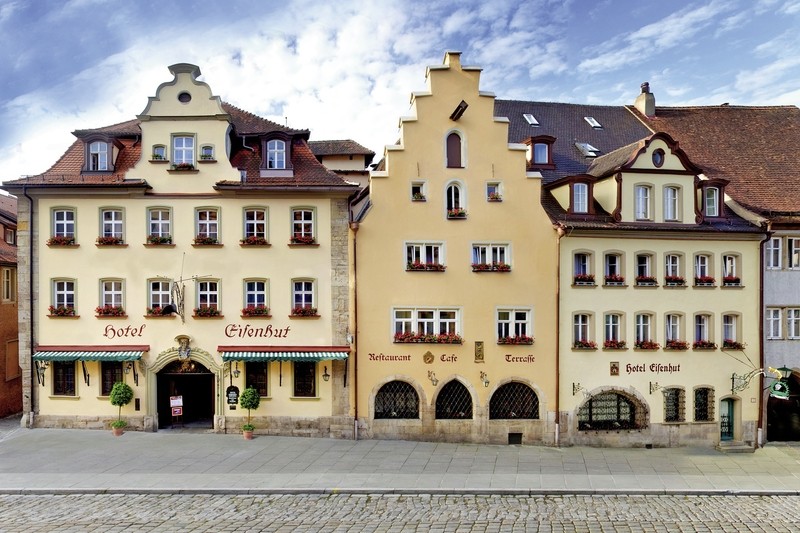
pixel 248 435
pixel 117 432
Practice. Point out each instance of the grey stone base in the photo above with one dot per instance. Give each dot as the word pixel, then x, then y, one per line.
pixel 335 427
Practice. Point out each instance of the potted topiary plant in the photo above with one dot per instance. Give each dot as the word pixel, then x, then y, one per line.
pixel 121 394
pixel 249 399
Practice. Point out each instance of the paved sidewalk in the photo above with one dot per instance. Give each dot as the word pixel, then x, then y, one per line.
pixel 92 461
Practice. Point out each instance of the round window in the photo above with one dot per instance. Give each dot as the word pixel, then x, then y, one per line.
pixel 184 98
pixel 658 157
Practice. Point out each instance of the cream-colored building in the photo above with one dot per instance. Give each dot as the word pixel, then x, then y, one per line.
pixel 659 303
pixel 192 252
pixel 455 278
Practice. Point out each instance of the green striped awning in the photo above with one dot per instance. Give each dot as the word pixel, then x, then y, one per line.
pixel 87 356
pixel 282 356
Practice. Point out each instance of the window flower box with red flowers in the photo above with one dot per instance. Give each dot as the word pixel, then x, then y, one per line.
pixel 646 345
pixel 495 197
pixel 516 339
pixel 676 345
pixel 584 345
pixel 612 344
pixel 704 281
pixel 674 281
pixel 731 281
pixel 206 312
pixel 304 311
pixel 158 311
pixel 458 212
pixel 495 266
pixel 254 240
pixel 256 310
pixel 110 310
pixel 203 240
pixel 429 267
pixel 614 279
pixel 61 310
pixel 444 338
pixel 183 167
pixel 302 239
pixel 109 241
pixel 61 240
pixel 704 345
pixel 730 344
pixel 159 239
pixel 583 279
pixel 646 281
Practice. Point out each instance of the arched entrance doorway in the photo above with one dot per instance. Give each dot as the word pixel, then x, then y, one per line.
pixel 195 384
pixel 727 419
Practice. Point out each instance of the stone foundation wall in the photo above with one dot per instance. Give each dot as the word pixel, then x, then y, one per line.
pixel 334 427
pixel 86 422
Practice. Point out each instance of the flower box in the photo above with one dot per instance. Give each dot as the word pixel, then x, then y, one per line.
pixel 206 312
pixel 491 267
pixel 444 338
pixel 674 281
pixel 304 311
pixel 302 239
pixel 729 344
pixel 202 240
pixel 584 345
pixel 429 267
pixel 583 279
pixel 109 241
pixel 158 311
pixel 254 240
pixel 676 345
pixel 646 345
pixel 255 310
pixel 207 157
pixel 159 239
pixel 183 166
pixel 158 157
pixel 614 279
pixel 495 197
pixel 704 345
pixel 61 310
pixel 731 281
pixel 646 281
pixel 459 212
pixel 517 339
pixel 417 197
pixel 61 240
pixel 615 345
pixel 110 310
pixel 704 281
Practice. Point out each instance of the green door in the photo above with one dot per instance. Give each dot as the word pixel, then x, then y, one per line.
pixel 726 420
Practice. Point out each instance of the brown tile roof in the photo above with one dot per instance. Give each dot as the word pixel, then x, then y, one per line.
pixel 755 148
pixel 247 123
pixel 129 128
pixel 339 147
pixel 8 218
pixel 8 206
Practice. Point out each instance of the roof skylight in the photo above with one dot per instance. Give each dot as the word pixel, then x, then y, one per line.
pixel 593 123
pixel 530 119
pixel 587 149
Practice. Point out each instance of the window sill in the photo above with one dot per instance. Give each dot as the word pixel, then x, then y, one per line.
pixel 203 317
pixel 305 398
pixel 257 245
pixel 576 349
pixel 464 217
pixel 111 316
pixel 607 349
pixel 304 316
pixel 703 349
pixel 120 245
pixel 152 245
pixel 178 171
pixel 646 285
pixel 705 286
pixel 159 161
pixel 674 285
pixel 426 269
pixel 733 286
pixel 202 161
pixel 479 270
pixel 494 200
pixel 161 316
pixel 428 342
pixel 584 284
pixel 419 200
pixel 256 317
pixel 63 316
pixel 63 245
pixel 217 245
pixel 303 245
pixel 63 397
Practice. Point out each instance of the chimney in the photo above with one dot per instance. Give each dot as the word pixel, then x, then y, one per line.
pixel 646 101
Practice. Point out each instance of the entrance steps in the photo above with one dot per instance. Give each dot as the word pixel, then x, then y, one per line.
pixel 735 447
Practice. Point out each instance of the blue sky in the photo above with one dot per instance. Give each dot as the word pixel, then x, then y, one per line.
pixel 346 69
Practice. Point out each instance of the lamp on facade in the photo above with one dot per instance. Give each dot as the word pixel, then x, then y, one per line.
pixel 576 388
pixel 432 377
pixel 41 366
pixel 325 375
pixel 236 370
pixel 128 367
pixel 654 386
pixel 484 379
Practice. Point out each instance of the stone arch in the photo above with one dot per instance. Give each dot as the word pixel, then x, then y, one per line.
pixel 448 388
pixel 632 410
pixel 422 400
pixel 519 401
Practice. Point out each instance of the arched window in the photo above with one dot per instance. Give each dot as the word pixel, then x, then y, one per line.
pixel 454 402
pixel 454 151
pixel 454 197
pixel 397 399
pixel 611 411
pixel 514 400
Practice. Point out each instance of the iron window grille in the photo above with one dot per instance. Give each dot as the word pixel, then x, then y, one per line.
pixel 396 399
pixel 454 402
pixel 514 401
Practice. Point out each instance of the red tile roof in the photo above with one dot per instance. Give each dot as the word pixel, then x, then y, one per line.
pixel 8 218
pixel 247 123
pixel 339 147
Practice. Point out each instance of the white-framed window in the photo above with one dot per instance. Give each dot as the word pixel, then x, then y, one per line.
pixel 671 203
pixel 702 328
pixel 303 296
pixel 208 294
pixel 729 266
pixel 303 223
pixel 183 149
pixel 207 223
pixel 159 223
pixel 64 223
pixel 729 328
pixel 159 152
pixel 493 192
pixel 793 323
pixel 613 265
pixel 64 293
pixel 514 323
pixel 98 156
pixel 158 293
pixel 644 323
pixel 9 281
pixel 793 250
pixel 581 264
pixel 421 254
pixel 111 293
pixel 207 152
pixel 112 223
pixel 642 202
pixel 672 265
pixel 643 265
pixel 580 198
pixel 774 323
pixel 711 199
pixel 426 321
pixel 773 252
pixel 418 191
pixel 454 197
pixel 255 222
pixel 255 293
pixel 276 154
pixel 490 254
pixel 541 153
pixel 672 327
pixel 702 266
pixel 10 236
pixel 581 328
pixel 613 327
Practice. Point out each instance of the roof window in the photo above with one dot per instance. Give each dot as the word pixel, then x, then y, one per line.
pixel 587 149
pixel 531 119
pixel 593 123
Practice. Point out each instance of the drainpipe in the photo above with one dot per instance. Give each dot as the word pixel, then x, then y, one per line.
pixel 559 233
pixel 30 294
pixel 354 228
pixel 761 357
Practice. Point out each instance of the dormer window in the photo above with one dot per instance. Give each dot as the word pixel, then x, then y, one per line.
pixel 276 154
pixel 580 198
pixel 540 152
pixel 98 156
pixel 711 201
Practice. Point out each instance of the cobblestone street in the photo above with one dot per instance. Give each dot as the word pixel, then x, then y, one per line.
pixel 395 513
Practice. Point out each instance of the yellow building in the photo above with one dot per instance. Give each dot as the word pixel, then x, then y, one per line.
pixel 192 252
pixel 659 306
pixel 455 278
